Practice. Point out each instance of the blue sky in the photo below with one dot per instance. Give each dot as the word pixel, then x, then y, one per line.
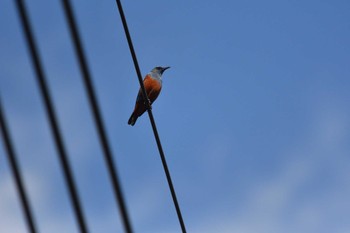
pixel 254 115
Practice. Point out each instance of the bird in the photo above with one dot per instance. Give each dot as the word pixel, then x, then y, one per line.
pixel 153 86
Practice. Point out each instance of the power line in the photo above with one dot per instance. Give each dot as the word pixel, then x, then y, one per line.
pixel 149 110
pixel 51 115
pixel 96 113
pixel 16 172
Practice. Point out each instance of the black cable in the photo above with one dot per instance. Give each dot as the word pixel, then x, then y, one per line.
pixel 96 113
pixel 16 172
pixel 149 110
pixel 51 115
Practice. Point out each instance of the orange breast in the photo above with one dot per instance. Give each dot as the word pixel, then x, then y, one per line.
pixel 153 88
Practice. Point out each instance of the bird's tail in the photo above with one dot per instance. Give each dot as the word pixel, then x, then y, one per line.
pixel 132 119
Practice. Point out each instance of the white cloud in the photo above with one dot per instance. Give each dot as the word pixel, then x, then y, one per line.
pixel 11 219
pixel 11 215
pixel 310 193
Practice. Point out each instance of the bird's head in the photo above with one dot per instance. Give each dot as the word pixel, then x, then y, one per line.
pixel 159 70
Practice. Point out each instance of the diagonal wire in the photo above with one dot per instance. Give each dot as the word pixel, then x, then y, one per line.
pixel 51 115
pixel 97 115
pixel 150 114
pixel 17 173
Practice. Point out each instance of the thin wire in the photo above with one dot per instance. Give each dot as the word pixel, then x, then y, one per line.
pixel 51 115
pixel 97 115
pixel 17 173
pixel 149 110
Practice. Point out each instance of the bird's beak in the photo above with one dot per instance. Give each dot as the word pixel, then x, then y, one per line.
pixel 165 68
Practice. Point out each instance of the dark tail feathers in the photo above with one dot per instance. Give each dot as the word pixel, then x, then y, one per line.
pixel 132 119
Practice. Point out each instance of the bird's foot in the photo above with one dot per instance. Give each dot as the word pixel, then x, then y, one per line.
pixel 149 105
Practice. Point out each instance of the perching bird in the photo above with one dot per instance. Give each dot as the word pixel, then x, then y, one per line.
pixel 153 86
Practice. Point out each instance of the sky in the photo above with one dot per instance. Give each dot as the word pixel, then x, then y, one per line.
pixel 254 115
